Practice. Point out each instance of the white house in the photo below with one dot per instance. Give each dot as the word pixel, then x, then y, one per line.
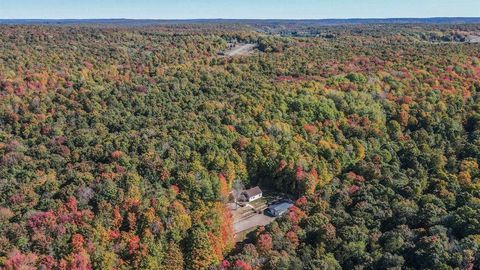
pixel 252 194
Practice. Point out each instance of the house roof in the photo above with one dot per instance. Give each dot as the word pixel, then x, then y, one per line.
pixel 253 191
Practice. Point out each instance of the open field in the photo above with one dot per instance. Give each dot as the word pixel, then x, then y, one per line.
pixel 240 50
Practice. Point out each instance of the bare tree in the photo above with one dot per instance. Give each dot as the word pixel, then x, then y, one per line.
pixel 238 188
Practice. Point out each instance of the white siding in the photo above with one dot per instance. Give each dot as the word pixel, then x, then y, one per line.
pixel 256 197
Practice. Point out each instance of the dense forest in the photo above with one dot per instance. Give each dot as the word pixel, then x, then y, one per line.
pixel 119 146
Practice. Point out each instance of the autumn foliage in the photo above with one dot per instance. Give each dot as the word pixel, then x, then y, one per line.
pixel 119 145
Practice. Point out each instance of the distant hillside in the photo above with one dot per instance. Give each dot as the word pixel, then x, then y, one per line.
pixel 439 20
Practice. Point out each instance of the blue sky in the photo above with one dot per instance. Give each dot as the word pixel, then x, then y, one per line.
pixel 260 9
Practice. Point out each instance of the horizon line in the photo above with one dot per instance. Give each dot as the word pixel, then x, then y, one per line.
pixel 220 18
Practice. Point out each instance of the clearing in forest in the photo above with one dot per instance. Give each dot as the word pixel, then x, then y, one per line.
pixel 240 49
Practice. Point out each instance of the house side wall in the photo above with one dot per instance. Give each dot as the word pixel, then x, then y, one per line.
pixel 256 197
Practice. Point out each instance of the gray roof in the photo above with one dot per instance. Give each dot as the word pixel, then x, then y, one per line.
pixel 280 207
pixel 253 192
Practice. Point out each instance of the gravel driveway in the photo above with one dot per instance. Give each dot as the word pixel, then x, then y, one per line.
pixel 254 221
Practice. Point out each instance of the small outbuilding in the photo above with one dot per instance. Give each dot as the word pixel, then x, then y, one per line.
pixel 252 194
pixel 279 209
